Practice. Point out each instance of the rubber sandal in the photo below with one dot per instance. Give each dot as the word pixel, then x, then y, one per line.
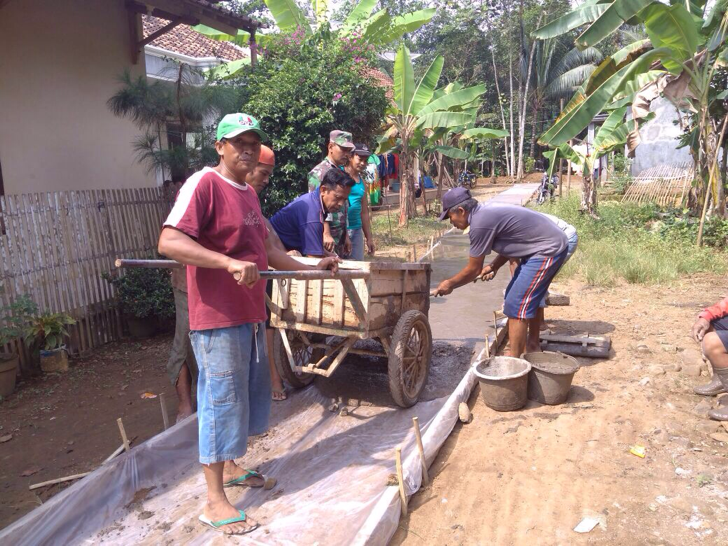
pixel 217 524
pixel 268 483
pixel 282 392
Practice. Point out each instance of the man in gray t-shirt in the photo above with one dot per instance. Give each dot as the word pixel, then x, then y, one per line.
pixel 512 232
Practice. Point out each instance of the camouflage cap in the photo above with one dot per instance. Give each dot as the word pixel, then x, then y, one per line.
pixel 342 138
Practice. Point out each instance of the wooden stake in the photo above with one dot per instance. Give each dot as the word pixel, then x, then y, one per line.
pixel 495 326
pixel 487 346
pixel 414 253
pixel 123 434
pixel 400 479
pixel 421 448
pixel 165 417
pixel 118 450
pixel 59 480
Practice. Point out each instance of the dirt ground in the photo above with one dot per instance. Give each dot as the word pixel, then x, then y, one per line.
pixel 529 477
pixel 65 424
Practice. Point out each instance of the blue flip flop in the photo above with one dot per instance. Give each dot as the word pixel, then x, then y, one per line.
pixel 217 524
pixel 240 480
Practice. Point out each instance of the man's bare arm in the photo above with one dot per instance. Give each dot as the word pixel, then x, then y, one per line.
pixel 181 247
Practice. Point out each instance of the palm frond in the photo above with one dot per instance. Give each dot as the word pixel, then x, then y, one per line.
pixel 143 102
pixel 575 58
pixel 564 85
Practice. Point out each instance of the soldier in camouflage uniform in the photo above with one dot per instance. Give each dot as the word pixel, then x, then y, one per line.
pixel 340 148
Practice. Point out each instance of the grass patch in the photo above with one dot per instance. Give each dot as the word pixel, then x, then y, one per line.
pixel 419 230
pixel 628 243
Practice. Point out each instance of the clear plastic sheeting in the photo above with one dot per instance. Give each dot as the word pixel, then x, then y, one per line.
pixel 332 473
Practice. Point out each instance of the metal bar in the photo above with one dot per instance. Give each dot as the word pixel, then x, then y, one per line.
pixel 307 274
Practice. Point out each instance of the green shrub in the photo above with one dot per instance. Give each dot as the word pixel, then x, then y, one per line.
pixel 302 88
pixel 14 319
pixel 48 331
pixel 143 293
pixel 633 243
pixel 529 164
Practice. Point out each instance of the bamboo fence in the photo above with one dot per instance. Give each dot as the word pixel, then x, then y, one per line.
pixel 665 185
pixel 55 247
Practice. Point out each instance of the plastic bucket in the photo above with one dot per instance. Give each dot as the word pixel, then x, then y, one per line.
pixel 503 382
pixel 550 378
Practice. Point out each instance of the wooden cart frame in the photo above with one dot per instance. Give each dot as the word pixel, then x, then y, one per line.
pixel 386 301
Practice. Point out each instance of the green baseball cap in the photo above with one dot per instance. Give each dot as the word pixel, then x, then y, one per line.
pixel 235 124
pixel 342 138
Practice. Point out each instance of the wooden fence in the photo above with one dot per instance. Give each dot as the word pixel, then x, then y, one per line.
pixel 54 247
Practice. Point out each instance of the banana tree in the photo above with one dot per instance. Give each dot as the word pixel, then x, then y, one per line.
pixel 614 133
pixel 416 110
pixel 685 48
pixel 378 28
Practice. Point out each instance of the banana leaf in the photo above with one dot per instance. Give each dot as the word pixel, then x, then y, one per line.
pixel 716 13
pixel 359 14
pixel 426 87
pixel 460 98
pixel 226 70
pixel 320 9
pixel 609 66
pixel 484 133
pixel 672 27
pixel 404 79
pixel 610 125
pixel 375 24
pixel 586 13
pixel 584 108
pixel 452 152
pixel 443 119
pixel 242 38
pixel 610 20
pixel 401 25
pixel 288 15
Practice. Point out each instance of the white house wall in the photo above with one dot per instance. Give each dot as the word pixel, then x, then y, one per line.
pixel 659 145
pixel 60 62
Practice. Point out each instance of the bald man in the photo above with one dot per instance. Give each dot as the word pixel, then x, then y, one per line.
pixel 258 180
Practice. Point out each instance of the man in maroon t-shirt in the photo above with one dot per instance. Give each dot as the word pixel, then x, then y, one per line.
pixel 217 229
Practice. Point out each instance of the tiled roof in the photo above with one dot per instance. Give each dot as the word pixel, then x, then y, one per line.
pixel 182 39
pixel 381 79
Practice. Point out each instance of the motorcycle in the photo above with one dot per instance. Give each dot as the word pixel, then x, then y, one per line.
pixel 547 187
pixel 467 180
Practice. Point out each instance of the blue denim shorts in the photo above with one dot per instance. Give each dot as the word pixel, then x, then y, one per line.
pixel 233 389
pixel 530 283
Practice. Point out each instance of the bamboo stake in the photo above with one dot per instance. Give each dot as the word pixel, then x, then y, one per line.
pixel 421 449
pixel 165 417
pixel 400 479
pixel 414 253
pixel 495 326
pixel 123 434
pixel 58 480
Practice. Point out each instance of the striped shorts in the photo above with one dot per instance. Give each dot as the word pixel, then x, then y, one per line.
pixel 530 283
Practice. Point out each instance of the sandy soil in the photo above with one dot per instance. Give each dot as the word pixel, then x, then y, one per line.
pixel 529 477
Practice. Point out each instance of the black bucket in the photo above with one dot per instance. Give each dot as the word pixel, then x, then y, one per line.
pixel 503 382
pixel 550 378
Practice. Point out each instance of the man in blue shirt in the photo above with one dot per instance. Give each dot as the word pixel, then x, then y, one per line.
pixel 300 224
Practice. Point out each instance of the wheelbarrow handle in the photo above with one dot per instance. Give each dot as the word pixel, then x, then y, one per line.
pixel 307 274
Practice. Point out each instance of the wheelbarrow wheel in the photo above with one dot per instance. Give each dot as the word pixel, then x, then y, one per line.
pixel 409 358
pixel 302 355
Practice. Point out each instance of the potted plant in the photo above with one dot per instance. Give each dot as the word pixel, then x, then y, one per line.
pixel 145 298
pixel 46 334
pixel 13 323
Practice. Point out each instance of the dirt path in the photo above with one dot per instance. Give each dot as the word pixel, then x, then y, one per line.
pixel 529 477
pixel 64 424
